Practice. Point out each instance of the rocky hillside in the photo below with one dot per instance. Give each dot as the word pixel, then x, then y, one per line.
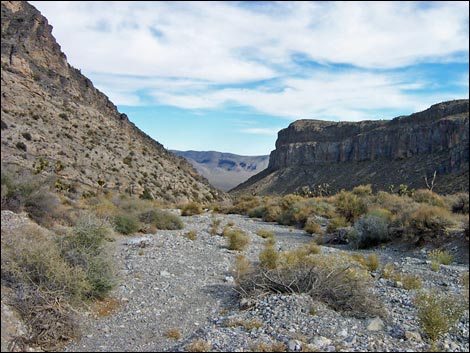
pixel 382 153
pixel 55 121
pixel 225 170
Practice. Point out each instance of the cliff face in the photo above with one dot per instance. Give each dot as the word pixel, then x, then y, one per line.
pixel 55 121
pixel 398 151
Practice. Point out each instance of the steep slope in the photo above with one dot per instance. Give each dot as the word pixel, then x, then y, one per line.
pixel 382 153
pixel 224 170
pixel 55 122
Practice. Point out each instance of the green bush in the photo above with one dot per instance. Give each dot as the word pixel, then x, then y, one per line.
pixel 126 224
pixel 161 219
pixel 191 209
pixel 84 249
pixel 437 313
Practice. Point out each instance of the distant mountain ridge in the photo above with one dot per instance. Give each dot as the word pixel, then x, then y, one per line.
pixel 383 153
pixel 55 122
pixel 224 170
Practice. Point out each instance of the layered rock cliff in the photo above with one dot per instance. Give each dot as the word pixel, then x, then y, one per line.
pixel 55 122
pixel 384 153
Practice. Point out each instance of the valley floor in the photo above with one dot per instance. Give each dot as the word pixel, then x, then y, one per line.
pixel 171 285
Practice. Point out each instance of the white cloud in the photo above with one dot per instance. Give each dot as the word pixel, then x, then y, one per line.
pixel 197 54
pixel 261 131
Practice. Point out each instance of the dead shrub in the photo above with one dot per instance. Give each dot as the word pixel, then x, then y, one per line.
pixel 198 345
pixel 50 321
pixel 330 279
pixel 264 233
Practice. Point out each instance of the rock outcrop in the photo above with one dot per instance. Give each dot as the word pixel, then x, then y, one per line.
pixel 383 153
pixel 54 121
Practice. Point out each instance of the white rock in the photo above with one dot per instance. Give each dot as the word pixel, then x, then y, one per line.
pixel 375 324
pixel 165 274
pixel 320 341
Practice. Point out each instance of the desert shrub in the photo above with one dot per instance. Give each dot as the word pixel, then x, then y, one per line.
pixel 32 257
pixel 311 226
pixel 331 279
pixel 173 333
pixel 411 282
pixel 191 235
pixel 146 194
pixel 242 267
pixel 362 190
pixel 191 209
pixel 393 203
pixel 244 204
pixel 237 239
pixel 84 249
pixel 460 203
pixel 126 223
pixel 438 312
pixel 335 223
pixel 32 194
pixel 257 212
pixel 161 219
pixel 274 346
pixel 370 230
pixel 271 213
pixel 268 256
pixel 264 233
pixel 441 256
pixel 428 221
pixel 215 226
pixel 349 205
pixel 429 197
pixel 372 262
pixel 103 207
pixel 388 272
pixel 198 345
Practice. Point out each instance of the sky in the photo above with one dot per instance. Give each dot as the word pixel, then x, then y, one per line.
pixel 227 76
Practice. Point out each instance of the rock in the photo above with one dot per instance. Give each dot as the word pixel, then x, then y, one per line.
pixel 246 303
pixel 375 324
pixel 413 336
pixel 165 274
pixel 320 341
pixel 229 279
pixel 294 346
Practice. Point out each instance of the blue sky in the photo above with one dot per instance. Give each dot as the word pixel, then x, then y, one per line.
pixel 227 76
